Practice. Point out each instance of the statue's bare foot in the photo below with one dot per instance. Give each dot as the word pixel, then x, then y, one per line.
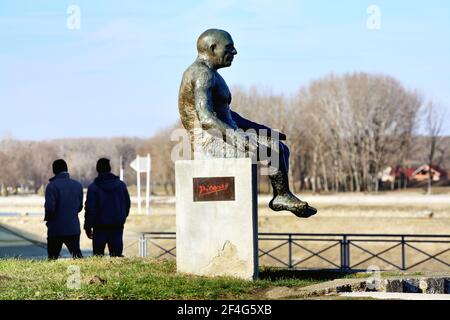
pixel 289 202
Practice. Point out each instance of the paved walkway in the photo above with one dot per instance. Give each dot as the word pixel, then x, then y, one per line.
pixel 15 245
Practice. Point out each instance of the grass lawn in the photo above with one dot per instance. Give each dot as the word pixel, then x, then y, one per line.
pixel 105 278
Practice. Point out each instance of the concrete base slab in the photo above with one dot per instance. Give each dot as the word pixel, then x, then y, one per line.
pixel 216 205
pixel 428 284
pixel 395 296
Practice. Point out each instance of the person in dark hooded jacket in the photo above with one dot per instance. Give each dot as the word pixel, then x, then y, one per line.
pixel 63 202
pixel 106 210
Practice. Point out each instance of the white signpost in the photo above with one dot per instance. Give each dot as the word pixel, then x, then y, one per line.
pixel 142 165
pixel 121 168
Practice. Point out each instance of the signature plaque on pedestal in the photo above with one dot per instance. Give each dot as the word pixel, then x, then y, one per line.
pixel 214 189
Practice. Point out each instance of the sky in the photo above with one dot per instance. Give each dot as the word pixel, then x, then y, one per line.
pixel 113 68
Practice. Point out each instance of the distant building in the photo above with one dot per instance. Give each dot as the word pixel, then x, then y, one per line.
pixel 422 174
pixel 415 174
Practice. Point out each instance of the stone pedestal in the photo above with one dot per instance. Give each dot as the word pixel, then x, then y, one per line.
pixel 217 228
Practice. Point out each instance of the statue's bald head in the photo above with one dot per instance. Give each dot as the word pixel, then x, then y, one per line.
pixel 212 37
pixel 217 47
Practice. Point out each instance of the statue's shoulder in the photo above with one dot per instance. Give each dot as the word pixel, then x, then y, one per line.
pixel 200 73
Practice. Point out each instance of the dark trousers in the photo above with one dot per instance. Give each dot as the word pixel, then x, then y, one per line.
pixel 54 246
pixel 112 238
pixel 282 154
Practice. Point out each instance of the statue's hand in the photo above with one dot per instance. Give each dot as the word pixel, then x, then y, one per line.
pixel 252 143
pixel 246 143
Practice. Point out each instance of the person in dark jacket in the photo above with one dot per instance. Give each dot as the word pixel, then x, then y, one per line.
pixel 106 210
pixel 63 202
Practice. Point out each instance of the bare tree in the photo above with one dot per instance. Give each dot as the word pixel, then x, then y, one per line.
pixel 433 125
pixel 362 121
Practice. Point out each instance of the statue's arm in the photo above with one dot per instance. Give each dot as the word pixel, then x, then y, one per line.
pixel 208 120
pixel 204 104
pixel 246 124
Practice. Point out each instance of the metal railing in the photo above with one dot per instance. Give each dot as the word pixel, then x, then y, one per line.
pixel 351 251
pixel 153 237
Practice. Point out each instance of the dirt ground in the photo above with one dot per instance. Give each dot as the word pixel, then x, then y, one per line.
pixel 395 213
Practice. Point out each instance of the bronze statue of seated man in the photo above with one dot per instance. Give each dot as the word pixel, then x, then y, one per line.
pixel 204 104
